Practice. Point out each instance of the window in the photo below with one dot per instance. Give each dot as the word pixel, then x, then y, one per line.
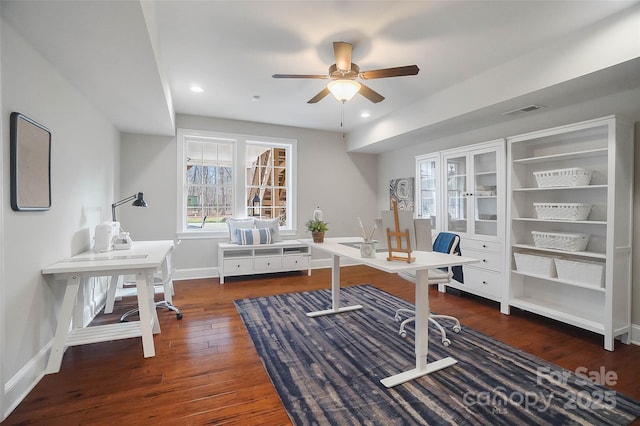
pixel 226 175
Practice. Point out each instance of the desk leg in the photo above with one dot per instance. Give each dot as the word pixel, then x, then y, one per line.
pixel 148 316
pixel 64 321
pixel 422 337
pixel 335 293
pixel 111 293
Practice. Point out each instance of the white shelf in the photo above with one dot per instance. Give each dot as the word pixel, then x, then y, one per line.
pixel 559 281
pixel 564 156
pixel 585 222
pixel 605 146
pixel 486 173
pixel 585 254
pixel 560 188
pixel 559 313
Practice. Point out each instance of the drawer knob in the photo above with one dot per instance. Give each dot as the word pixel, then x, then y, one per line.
pixel 484 260
pixel 484 282
pixel 484 246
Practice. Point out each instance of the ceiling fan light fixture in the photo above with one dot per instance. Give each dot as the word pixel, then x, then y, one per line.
pixel 344 90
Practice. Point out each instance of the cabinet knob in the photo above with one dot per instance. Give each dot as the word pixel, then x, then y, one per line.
pixel 484 246
pixel 484 282
pixel 484 260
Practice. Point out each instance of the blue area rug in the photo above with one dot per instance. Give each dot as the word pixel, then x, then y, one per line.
pixel 327 370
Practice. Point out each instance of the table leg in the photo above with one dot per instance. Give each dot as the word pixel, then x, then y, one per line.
pixel 422 337
pixel 335 293
pixel 148 316
pixel 111 293
pixel 64 321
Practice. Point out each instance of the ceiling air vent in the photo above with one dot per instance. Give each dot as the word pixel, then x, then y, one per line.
pixel 522 110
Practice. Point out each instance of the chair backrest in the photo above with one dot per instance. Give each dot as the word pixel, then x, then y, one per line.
pixel 446 242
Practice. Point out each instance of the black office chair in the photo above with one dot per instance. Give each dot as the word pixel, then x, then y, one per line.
pixel 445 242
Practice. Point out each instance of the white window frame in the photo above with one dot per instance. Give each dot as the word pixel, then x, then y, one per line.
pixel 239 142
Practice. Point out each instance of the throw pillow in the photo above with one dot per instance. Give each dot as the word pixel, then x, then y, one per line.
pixel 235 224
pixel 273 224
pixel 254 236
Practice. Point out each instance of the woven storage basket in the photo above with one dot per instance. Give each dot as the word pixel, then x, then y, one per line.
pixel 574 176
pixel 589 273
pixel 537 265
pixel 560 240
pixel 562 211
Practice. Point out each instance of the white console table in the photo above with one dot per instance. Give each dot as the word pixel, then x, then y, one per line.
pixel 283 256
pixel 142 260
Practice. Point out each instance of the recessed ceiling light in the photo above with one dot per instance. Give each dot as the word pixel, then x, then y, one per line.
pixel 197 89
pixel 365 114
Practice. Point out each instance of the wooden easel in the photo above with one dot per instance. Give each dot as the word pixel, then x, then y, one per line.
pixel 399 236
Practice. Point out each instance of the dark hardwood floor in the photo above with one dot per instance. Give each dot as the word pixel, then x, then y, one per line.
pixel 206 370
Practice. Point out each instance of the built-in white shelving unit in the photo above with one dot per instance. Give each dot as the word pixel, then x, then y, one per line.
pixel 605 147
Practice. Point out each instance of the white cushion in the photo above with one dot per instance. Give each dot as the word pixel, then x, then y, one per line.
pixel 273 224
pixel 235 224
pixel 254 236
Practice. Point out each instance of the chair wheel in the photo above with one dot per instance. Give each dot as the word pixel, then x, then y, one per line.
pixel 446 342
pixel 403 333
pixel 179 316
pixel 456 328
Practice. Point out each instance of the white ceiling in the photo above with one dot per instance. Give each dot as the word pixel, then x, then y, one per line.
pixel 137 60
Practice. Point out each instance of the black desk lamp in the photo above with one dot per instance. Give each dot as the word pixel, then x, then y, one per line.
pixel 138 202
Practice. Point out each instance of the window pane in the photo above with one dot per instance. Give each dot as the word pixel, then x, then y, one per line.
pixel 209 179
pixel 266 172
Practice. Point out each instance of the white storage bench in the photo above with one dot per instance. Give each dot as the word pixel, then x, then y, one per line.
pixel 283 256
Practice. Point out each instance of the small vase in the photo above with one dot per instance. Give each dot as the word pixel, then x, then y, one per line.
pixel 318 237
pixel 368 250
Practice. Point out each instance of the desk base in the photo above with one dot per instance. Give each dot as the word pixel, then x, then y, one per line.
pixel 415 373
pixel 333 311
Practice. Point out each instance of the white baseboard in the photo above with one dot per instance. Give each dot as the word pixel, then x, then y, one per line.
pixel 635 334
pixel 23 382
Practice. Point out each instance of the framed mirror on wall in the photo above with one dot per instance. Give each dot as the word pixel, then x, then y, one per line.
pixel 30 164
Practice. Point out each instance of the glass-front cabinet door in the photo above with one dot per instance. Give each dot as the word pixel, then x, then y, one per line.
pixel 427 189
pixel 473 191
pixel 457 194
pixel 485 193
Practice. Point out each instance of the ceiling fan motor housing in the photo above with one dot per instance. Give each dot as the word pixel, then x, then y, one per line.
pixel 338 74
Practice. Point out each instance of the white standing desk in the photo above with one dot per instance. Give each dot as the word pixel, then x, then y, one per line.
pixel 142 260
pixel 425 260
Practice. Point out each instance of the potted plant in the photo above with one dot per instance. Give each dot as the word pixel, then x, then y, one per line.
pixel 317 229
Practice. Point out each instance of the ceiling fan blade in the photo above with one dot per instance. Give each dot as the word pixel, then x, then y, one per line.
pixel 390 72
pixel 300 76
pixel 370 94
pixel 342 52
pixel 319 96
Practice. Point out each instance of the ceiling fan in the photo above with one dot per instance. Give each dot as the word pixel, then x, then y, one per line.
pixel 344 73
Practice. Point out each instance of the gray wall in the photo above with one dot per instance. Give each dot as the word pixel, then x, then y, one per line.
pixel 342 184
pixel 85 147
pixel 396 163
